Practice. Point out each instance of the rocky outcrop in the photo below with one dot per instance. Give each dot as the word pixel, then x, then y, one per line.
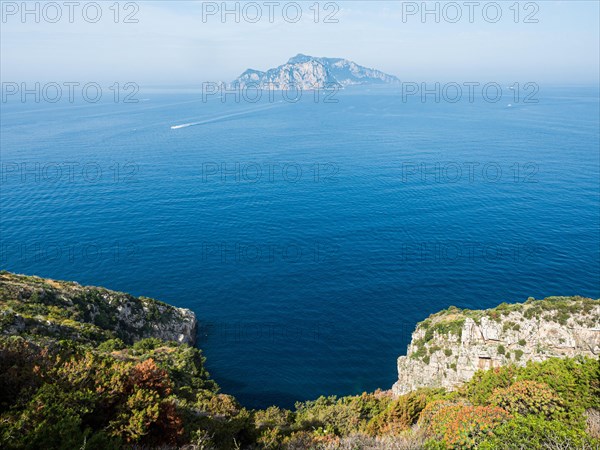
pixel 309 72
pixel 67 310
pixel 449 347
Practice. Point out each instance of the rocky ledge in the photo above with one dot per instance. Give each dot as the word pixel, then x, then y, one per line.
pixel 66 310
pixel 450 346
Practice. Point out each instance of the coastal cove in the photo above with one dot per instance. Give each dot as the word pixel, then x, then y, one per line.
pixel 86 349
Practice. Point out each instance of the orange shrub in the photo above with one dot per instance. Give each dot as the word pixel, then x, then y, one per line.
pixel 169 423
pixel 528 397
pixel 148 375
pixel 432 409
pixel 460 425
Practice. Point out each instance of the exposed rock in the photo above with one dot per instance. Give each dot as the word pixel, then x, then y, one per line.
pixel 59 309
pixel 449 347
pixel 309 72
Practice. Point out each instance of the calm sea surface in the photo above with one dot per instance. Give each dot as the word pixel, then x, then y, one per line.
pixel 309 238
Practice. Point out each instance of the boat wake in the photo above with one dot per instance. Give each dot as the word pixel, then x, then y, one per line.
pixel 228 116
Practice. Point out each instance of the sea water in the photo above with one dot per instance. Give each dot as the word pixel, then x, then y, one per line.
pixel 308 237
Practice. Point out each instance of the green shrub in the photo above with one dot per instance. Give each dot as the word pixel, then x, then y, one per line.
pixel 479 389
pixel 226 422
pixel 421 351
pixel 434 444
pixel 510 325
pixel 536 433
pixel 445 327
pixel 343 416
pixel 575 380
pixel 148 344
pixel 434 348
pixel 111 345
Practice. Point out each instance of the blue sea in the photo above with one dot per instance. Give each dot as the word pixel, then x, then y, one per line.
pixel 309 237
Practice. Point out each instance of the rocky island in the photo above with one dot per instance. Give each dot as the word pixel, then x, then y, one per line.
pixel 310 72
pixel 89 368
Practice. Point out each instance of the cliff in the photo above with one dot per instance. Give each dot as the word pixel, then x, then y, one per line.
pixel 77 372
pixel 66 310
pixel 450 346
pixel 309 72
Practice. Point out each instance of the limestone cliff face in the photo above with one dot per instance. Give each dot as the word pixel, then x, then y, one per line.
pixel 66 310
pixel 450 346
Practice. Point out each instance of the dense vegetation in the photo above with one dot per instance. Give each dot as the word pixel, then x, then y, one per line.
pixel 32 306
pixel 97 391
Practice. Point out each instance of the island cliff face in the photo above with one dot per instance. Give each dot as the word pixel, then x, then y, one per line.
pixel 37 306
pixel 449 347
pixel 309 72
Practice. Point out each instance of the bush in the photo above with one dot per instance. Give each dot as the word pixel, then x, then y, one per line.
pixel 400 415
pixel 273 417
pixel 18 374
pixel 463 426
pixel 55 419
pixel 343 416
pixel 479 389
pixel 536 433
pixel 228 424
pixel 575 380
pixel 444 327
pixel 272 424
pixel 148 344
pixel 111 345
pixel 528 397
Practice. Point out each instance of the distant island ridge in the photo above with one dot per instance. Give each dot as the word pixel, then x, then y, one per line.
pixel 311 72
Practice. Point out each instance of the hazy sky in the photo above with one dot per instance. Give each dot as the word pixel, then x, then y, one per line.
pixel 173 44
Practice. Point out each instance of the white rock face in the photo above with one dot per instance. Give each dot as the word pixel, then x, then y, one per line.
pixel 308 72
pixel 448 348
